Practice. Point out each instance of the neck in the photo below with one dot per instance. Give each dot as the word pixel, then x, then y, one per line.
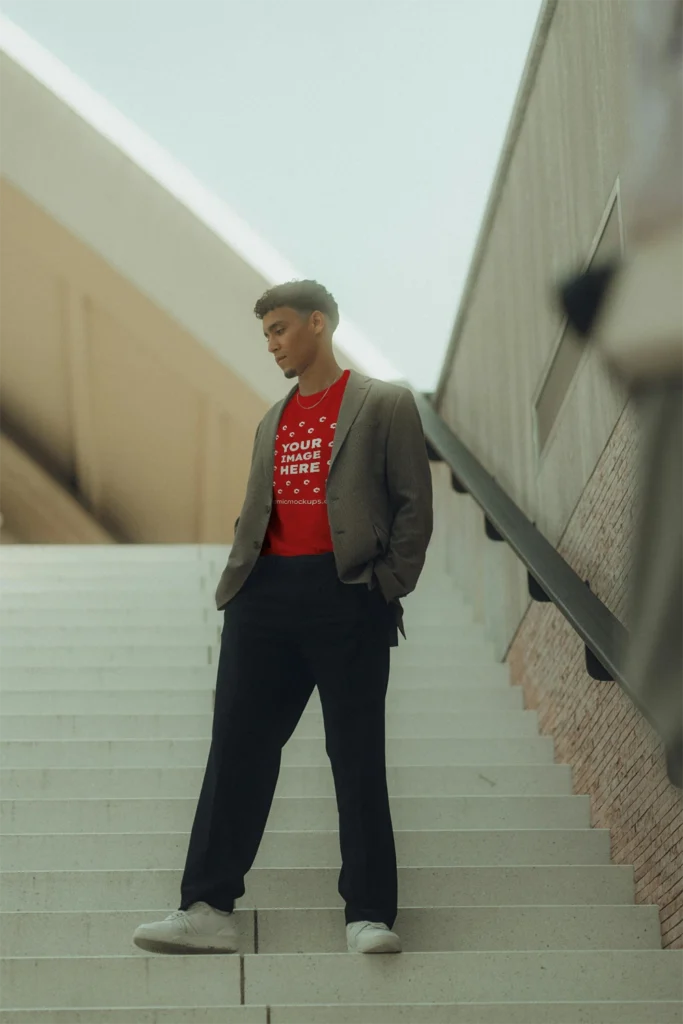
pixel 319 376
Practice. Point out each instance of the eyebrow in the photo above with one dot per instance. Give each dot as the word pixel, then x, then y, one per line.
pixel 278 323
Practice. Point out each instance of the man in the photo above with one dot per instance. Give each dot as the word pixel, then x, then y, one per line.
pixel 333 532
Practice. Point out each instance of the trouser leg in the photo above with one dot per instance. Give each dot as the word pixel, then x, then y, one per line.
pixel 261 692
pixel 347 648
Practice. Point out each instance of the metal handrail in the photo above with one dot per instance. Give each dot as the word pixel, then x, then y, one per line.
pixel 603 635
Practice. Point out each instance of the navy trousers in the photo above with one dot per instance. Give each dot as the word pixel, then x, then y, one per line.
pixel 292 627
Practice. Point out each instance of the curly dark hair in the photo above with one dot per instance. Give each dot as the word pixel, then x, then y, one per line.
pixel 304 296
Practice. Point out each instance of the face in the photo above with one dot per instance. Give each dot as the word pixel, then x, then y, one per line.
pixel 293 338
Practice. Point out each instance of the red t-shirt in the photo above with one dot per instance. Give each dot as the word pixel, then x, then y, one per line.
pixel 303 451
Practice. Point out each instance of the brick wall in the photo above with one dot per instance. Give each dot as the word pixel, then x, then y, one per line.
pixel 617 759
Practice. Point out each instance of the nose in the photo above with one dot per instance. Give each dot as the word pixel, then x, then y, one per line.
pixel 273 345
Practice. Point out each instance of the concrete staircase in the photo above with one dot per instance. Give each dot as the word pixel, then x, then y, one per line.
pixel 511 912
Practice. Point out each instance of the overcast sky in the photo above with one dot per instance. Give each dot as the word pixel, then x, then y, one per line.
pixel 358 137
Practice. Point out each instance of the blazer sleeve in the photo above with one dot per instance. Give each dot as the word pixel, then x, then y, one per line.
pixel 253 456
pixel 409 483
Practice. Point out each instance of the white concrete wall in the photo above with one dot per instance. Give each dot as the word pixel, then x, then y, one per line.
pixel 557 181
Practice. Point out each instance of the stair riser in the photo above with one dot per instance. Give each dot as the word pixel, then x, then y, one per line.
pixel 476 929
pixel 317 887
pixel 120 573
pixel 179 753
pixel 452 725
pixel 77 630
pixel 148 591
pixel 204 677
pixel 144 1015
pixel 192 702
pixel 435 977
pixel 116 783
pixel 93 618
pixel 477 977
pixel 64 933
pixel 84 598
pixel 291 814
pixel 127 980
pixel 322 931
pixel 104 554
pixel 195 656
pixel 481 847
pixel 101 657
pixel 12 637
pixel 571 1012
pixel 417 655
pixel 188 1015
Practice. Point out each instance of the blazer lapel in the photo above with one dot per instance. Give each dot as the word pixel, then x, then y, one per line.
pixel 267 443
pixel 356 392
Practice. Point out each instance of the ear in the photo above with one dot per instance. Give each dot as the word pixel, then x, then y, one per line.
pixel 318 322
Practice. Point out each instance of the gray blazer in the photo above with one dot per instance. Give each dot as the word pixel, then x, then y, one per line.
pixel 379 493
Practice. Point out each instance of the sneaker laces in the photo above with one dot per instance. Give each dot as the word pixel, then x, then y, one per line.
pixel 179 915
pixel 374 924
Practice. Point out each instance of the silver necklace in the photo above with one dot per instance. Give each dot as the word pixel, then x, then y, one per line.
pixel 307 408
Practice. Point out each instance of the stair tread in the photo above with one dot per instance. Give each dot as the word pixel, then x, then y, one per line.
pixel 470 735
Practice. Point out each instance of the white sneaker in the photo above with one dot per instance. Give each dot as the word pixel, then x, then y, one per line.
pixel 371 937
pixel 199 929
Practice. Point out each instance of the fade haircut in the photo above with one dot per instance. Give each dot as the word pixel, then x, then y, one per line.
pixel 304 296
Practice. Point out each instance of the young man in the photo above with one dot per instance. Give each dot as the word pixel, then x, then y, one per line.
pixel 333 532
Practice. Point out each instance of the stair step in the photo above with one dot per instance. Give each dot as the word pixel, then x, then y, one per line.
pixel 119 981
pixel 109 670
pixel 508 976
pixel 277 888
pixel 418 655
pixel 195 700
pixel 480 1013
pixel 99 554
pixel 422 929
pixel 204 677
pixel 429 725
pixel 185 783
pixel 447 929
pixel 191 614
pixel 75 753
pixel 100 657
pixel 148 591
pixel 448 643
pixel 141 1015
pixel 31 638
pixel 153 574
pixel 445 637
pixel 476 977
pixel 30 596
pixel 126 850
pixel 130 814
pixel 97 932
pixel 423 1013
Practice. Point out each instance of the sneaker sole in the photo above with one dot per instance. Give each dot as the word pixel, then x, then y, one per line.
pixel 162 946
pixel 383 946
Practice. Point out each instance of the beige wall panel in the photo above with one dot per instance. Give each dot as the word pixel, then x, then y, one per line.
pixel 36 509
pixel 33 377
pixel 583 427
pixel 235 450
pixel 147 426
pixel 159 428
pixel 548 210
